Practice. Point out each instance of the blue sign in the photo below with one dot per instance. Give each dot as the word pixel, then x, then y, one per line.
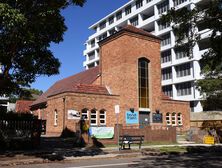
pixel 132 117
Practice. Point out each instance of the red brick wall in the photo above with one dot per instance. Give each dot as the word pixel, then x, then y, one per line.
pixel 177 107
pixel 151 134
pixel 119 66
pixel 78 102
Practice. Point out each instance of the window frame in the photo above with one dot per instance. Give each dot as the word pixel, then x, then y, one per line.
pixel 168 119
pixel 94 119
pixel 102 119
pixel 55 118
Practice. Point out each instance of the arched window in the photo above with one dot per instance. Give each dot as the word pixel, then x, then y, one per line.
pixel 168 119
pixel 102 117
pixel 55 117
pixel 85 114
pixel 93 117
pixel 173 119
pixel 143 75
pixel 180 119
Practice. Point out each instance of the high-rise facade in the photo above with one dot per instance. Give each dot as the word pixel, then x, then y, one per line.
pixel 179 72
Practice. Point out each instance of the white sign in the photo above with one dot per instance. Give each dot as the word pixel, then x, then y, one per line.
pixel 116 109
pixel 73 115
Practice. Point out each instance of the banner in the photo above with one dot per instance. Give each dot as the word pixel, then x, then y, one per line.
pixel 102 132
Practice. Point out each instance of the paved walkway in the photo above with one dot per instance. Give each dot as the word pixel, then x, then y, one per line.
pixel 60 154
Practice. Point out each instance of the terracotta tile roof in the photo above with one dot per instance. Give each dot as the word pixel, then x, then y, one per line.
pixel 70 84
pixel 23 105
pixel 130 29
pixel 83 88
pixel 133 29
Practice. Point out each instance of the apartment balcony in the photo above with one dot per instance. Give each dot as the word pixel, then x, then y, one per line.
pixel 182 79
pixel 88 50
pixel 166 82
pixel 166 64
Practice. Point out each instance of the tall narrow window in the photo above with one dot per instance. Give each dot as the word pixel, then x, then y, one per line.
pixel 143 74
pixel 173 119
pixel 93 117
pixel 84 114
pixel 168 119
pixel 102 118
pixel 55 118
pixel 179 119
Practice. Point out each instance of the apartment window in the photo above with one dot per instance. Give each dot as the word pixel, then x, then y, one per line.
pixel 102 117
pixel 166 56
pixel 183 70
pixel 178 2
pixel 134 21
pixel 111 20
pixel 183 89
pixel 163 26
pixel 166 40
pixel 143 74
pixel 173 119
pixel 168 119
pixel 55 118
pixel 92 43
pixel 91 65
pixel 91 56
pixel 128 10
pixel 180 54
pixel 179 119
pixel 103 36
pixel 163 7
pixel 119 15
pixel 147 1
pixel 166 73
pixel 84 114
pixel 93 117
pixel 139 3
pixel 167 90
pixel 112 31
pixel 102 25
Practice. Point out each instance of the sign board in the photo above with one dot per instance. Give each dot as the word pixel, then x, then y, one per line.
pixel 102 132
pixel 132 117
pixel 117 109
pixel 208 140
pixel 157 118
pixel 73 115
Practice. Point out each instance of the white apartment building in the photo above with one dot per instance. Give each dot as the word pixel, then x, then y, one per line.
pixel 179 72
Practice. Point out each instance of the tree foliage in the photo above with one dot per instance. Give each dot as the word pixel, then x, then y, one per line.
pixel 207 16
pixel 27 27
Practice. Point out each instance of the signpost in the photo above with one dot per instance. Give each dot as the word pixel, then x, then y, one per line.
pixel 208 140
pixel 117 120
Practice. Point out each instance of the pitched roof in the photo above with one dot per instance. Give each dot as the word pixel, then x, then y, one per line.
pixel 133 29
pixel 73 84
pixel 23 105
pixel 130 29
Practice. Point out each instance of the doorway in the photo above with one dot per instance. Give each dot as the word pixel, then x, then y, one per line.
pixel 144 118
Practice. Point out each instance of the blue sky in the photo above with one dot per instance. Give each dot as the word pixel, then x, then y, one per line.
pixel 70 51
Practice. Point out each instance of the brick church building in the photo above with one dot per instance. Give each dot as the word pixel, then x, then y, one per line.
pixel 129 75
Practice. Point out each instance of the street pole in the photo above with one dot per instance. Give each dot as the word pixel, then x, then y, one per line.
pixel 117 119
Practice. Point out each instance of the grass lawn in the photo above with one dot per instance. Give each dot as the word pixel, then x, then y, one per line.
pixel 172 149
pixel 144 144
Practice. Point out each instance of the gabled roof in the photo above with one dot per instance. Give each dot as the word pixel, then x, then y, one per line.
pixel 133 30
pixel 73 84
pixel 23 105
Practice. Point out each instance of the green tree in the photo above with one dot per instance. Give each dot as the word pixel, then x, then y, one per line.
pixel 186 23
pixel 27 27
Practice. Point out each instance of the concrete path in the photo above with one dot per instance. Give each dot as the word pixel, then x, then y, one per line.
pixel 69 155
